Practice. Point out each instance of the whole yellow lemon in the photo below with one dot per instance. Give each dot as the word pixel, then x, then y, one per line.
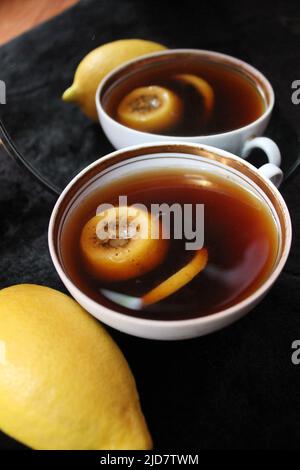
pixel 97 64
pixel 64 383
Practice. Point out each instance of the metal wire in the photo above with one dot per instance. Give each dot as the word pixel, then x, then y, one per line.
pixel 14 153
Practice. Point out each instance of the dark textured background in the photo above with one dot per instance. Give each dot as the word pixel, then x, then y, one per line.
pixel 233 389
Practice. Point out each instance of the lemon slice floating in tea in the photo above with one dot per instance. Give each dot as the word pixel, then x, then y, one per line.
pixel 117 245
pixel 166 288
pixel 159 109
pixel 150 109
pixel 203 88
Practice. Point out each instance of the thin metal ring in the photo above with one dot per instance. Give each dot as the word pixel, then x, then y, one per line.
pixel 14 153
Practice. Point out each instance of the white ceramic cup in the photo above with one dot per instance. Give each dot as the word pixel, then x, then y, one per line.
pixel 137 159
pixel 238 141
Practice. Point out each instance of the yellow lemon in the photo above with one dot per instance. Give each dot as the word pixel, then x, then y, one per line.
pixel 64 383
pixel 122 250
pixel 98 63
pixel 150 109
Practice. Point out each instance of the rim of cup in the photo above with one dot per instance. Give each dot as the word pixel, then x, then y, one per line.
pixel 261 82
pixel 169 147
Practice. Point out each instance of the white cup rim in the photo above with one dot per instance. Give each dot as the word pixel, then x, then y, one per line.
pixel 175 324
pixel 252 71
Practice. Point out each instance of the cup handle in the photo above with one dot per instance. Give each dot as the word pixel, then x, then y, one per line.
pixel 270 170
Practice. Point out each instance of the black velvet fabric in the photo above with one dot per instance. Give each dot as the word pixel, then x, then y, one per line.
pixel 237 388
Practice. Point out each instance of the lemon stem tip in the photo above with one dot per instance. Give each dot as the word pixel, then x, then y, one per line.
pixel 69 94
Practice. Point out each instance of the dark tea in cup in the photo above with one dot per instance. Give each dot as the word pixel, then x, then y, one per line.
pixel 240 238
pixel 184 96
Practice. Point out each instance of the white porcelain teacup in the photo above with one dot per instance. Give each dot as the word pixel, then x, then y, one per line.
pixel 137 159
pixel 238 141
